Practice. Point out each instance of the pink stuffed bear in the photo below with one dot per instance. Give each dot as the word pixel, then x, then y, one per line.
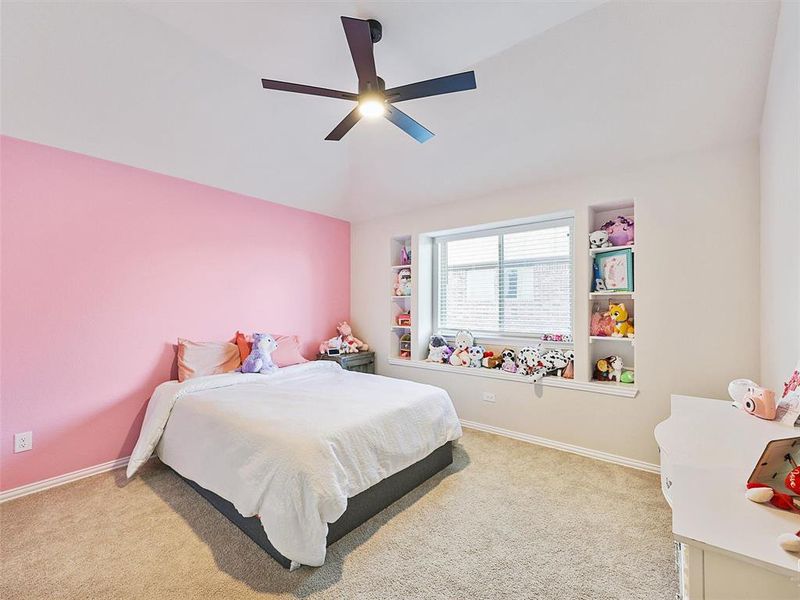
pixel 350 343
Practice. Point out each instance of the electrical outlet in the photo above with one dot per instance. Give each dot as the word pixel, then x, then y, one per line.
pixel 23 441
pixel 488 397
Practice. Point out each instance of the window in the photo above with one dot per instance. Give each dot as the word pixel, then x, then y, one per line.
pixel 509 282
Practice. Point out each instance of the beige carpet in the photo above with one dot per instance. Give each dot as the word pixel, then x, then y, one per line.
pixel 506 520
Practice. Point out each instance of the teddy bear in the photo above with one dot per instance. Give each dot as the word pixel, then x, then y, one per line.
pixel 260 360
pixel 463 342
pixel 509 361
pixel 475 356
pixel 437 348
pixel 350 343
pixel 622 326
pixel 599 239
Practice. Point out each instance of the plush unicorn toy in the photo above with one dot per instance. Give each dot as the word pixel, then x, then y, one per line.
pixel 260 360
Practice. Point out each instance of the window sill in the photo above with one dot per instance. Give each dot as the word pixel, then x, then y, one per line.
pixel 610 388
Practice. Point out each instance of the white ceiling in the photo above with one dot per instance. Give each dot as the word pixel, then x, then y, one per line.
pixel 563 88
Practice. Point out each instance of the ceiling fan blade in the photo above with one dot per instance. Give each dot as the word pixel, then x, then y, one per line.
pixel 407 124
pixel 299 88
pixel 433 87
pixel 359 39
pixel 344 125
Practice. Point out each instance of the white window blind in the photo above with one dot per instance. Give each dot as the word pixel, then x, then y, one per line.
pixel 507 282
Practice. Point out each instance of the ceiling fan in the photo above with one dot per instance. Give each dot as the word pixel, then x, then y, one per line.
pixel 374 100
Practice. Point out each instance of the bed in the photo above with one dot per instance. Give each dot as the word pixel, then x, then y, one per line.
pixel 298 458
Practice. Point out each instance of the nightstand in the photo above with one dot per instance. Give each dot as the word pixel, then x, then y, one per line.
pixel 363 362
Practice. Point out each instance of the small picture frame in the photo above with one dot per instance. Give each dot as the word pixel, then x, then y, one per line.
pixel 616 270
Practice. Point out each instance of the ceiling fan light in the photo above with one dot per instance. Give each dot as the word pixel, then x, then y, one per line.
pixel 372 108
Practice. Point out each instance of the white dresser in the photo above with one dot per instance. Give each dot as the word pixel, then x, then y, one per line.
pixel 726 545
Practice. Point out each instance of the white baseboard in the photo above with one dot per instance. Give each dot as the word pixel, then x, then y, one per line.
pixel 46 484
pixel 588 452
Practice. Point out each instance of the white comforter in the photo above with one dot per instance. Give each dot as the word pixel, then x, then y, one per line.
pixel 293 446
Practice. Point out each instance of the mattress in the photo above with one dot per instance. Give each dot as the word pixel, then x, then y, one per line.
pixel 293 446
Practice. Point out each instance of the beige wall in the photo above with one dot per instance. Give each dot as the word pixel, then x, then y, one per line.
pixel 697 297
pixel 780 205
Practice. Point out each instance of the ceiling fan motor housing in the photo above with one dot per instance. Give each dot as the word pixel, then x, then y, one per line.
pixel 375 30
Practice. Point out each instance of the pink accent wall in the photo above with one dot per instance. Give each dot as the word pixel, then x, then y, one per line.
pixel 105 265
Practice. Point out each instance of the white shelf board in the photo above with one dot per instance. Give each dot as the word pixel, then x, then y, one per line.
pixel 608 338
pixel 611 388
pixel 594 251
pixel 612 294
pixel 396 267
pixel 401 297
pixel 401 327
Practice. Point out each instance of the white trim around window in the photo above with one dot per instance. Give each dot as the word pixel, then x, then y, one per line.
pixel 492 286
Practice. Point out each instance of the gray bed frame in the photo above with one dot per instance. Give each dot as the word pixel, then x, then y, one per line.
pixel 360 508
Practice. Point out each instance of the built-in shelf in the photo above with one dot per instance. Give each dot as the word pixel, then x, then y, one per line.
pixel 601 347
pixel 611 388
pixel 609 338
pixel 593 251
pixel 611 294
pixel 400 340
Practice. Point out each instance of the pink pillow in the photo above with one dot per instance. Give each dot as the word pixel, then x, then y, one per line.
pixel 196 359
pixel 288 352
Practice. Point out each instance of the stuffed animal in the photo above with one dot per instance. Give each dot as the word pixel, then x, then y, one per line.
pixel 490 360
pixel 475 356
pixel 402 286
pixel 622 326
pixel 569 370
pixel 608 368
pixel 509 361
pixel 601 324
pixel 530 364
pixel 553 361
pixel 350 343
pixel 463 342
pixel 335 343
pixel 260 360
pixel 620 231
pixel 437 346
pixel 599 239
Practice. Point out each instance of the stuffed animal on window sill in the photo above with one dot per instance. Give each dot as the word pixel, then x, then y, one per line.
pixel 608 369
pixel 599 239
pixel 490 361
pixel 508 361
pixel 475 356
pixel 623 327
pixel 438 350
pixel 350 343
pixel 260 360
pixel 530 364
pixel 569 370
pixel 463 342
